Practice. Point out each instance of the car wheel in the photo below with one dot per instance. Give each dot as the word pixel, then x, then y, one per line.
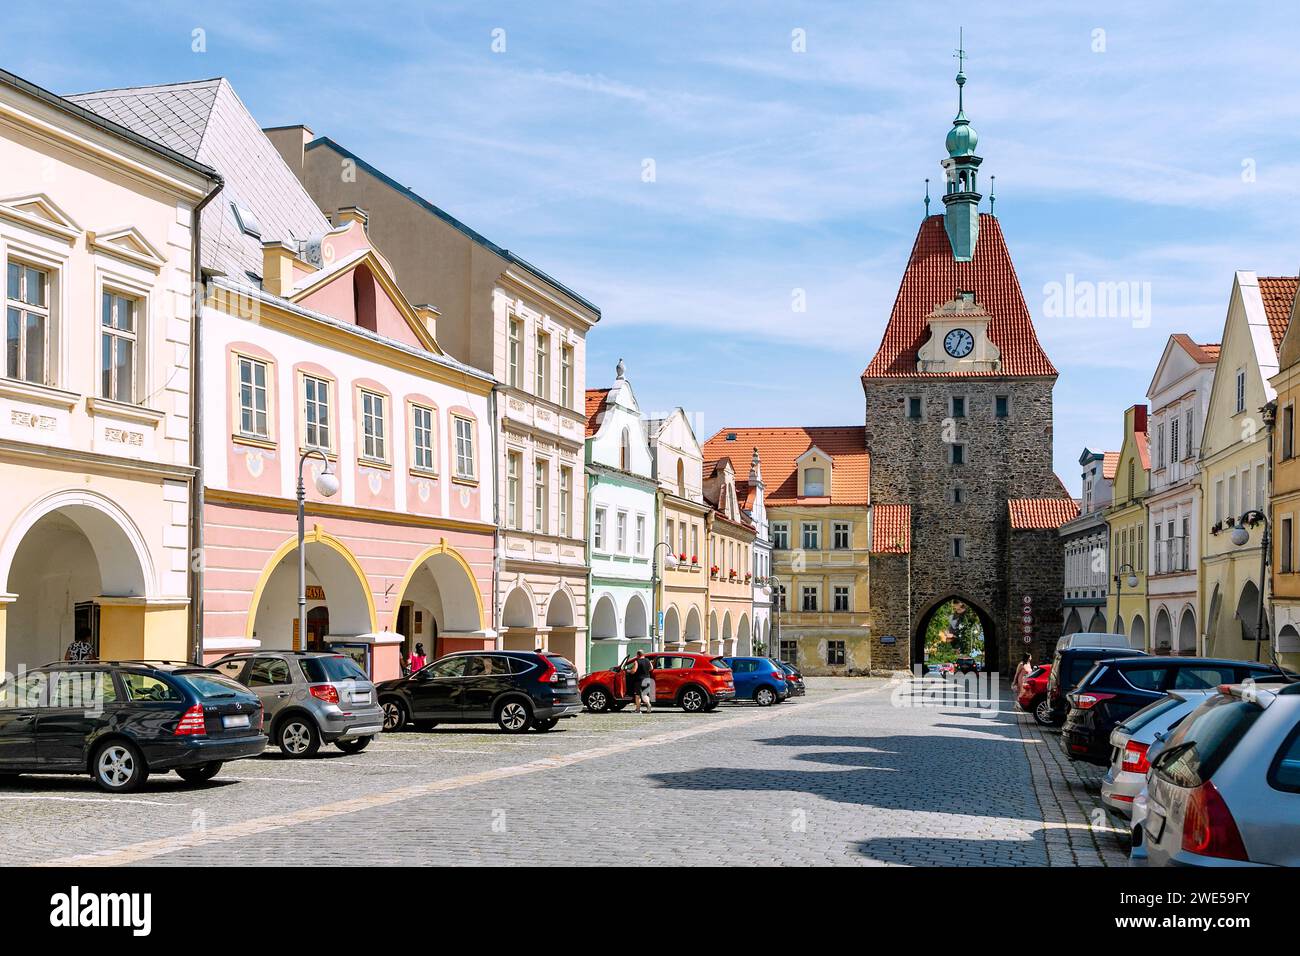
pixel 543 726
pixel 200 774
pixel 596 700
pixel 765 697
pixel 693 700
pixel 514 716
pixel 353 746
pixel 394 715
pixel 118 767
pixel 298 736
pixel 1042 711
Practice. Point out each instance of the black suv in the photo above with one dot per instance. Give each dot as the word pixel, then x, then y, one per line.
pixel 1113 690
pixel 119 721
pixel 1068 667
pixel 517 689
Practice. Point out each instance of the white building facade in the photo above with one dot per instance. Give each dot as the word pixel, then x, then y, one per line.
pixel 755 507
pixel 1085 541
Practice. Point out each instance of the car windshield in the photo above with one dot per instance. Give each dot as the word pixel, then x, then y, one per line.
pixel 1204 741
pixel 322 670
pixel 210 686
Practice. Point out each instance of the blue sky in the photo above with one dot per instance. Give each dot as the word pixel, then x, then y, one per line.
pixel 1158 153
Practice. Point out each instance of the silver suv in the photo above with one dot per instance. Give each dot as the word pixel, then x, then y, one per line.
pixel 309 698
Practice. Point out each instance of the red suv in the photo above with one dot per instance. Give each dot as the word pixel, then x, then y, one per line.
pixel 693 682
pixel 1033 694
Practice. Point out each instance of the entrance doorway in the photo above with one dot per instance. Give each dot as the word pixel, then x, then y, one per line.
pixel 953 628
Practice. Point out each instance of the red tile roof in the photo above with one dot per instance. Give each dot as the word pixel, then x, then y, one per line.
pixel 779 447
pixel 595 405
pixel 933 277
pixel 1039 513
pixel 1109 464
pixel 1278 292
pixel 891 529
pixel 1205 353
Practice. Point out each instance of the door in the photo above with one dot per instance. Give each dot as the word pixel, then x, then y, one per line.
pixel 20 700
pixel 271 680
pixel 745 674
pixel 436 690
pixel 487 676
pixel 80 702
pixel 318 625
pixel 669 671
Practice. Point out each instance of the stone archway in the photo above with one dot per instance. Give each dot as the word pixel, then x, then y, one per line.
pixel 562 634
pixel 636 620
pixel 988 645
pixel 1248 611
pixel 1098 623
pixel 1137 637
pixel 1073 624
pixel 692 635
pixel 1186 646
pixel 744 640
pixel 334 581
pixel 672 635
pixel 714 647
pixel 606 644
pixel 439 605
pixel 1162 638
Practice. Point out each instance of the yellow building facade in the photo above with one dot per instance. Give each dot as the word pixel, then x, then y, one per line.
pixel 1126 520
pixel 1284 513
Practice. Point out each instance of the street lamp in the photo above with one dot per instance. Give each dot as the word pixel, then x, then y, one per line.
pixel 1119 585
pixel 774 600
pixel 327 483
pixel 1241 537
pixel 670 562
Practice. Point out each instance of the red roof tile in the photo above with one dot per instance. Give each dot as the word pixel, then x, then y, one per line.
pixel 891 529
pixel 779 447
pixel 1278 292
pixel 1040 513
pixel 1203 353
pixel 1109 464
pixel 933 277
pixel 595 405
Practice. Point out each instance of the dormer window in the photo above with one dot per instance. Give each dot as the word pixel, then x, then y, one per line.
pixel 814 482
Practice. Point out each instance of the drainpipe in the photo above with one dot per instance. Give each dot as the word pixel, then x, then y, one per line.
pixel 589 511
pixel 198 289
pixel 496 517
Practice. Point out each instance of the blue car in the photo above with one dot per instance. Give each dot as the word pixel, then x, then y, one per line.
pixel 759 679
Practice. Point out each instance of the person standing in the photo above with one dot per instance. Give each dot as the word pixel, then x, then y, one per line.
pixel 1022 672
pixel 642 682
pixel 417 659
pixel 80 649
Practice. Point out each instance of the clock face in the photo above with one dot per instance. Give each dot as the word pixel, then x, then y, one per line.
pixel 958 343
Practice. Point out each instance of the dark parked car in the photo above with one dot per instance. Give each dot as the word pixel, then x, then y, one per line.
pixel 310 698
pixel 793 679
pixel 516 689
pixel 1116 689
pixel 967 665
pixel 120 721
pixel 1068 668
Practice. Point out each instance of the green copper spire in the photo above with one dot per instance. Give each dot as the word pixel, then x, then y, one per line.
pixel 961 198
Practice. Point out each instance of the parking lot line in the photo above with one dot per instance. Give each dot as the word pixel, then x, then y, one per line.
pixel 149 849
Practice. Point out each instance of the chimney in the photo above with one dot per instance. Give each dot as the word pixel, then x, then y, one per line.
pixel 291 143
pixel 277 267
pixel 347 214
pixel 428 315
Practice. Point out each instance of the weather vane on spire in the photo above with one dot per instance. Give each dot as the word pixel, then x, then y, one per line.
pixel 960 54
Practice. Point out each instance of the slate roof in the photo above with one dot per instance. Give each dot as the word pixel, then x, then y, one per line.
pixel 1041 513
pixel 934 277
pixel 206 121
pixel 779 447
pixel 1278 292
pixel 891 529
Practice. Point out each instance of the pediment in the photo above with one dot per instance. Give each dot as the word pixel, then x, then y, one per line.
pixel 38 211
pixel 128 243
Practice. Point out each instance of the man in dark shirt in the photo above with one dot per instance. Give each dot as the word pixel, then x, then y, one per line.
pixel 641 682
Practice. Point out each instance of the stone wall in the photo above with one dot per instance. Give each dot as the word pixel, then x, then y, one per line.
pixel 1034 568
pixel 891 611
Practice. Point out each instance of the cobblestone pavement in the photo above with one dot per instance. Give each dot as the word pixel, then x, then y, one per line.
pixel 844 775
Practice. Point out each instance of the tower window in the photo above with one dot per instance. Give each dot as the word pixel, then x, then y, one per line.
pixel 958 453
pixel 959 546
pixel 1002 406
pixel 914 407
pixel 958 406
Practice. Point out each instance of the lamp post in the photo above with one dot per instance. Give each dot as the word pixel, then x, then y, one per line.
pixel 670 561
pixel 327 483
pixel 1119 585
pixel 774 599
pixel 1241 537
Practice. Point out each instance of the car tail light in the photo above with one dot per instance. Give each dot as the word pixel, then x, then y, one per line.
pixel 1088 701
pixel 261 718
pixel 549 675
pixel 779 675
pixel 192 723
pixel 326 692
pixel 1208 827
pixel 1135 757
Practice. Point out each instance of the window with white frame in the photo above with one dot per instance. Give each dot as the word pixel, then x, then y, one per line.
pixel 422 437
pixel 840 535
pixel 541 494
pixel 598 529
pixel 514 500
pixel 620 532
pixel 566 375
pixel 814 482
pixel 1173 439
pixel 640 535
pixel 1160 445
pixel 464 447
pixel 542 372
pixel 117 351
pixel 566 500
pixel 253 419
pixel 373 426
pixel 840 597
pixel 1188 432
pixel 811 536
pixel 316 413
pixel 778 597
pixel 514 354
pixel 781 535
pixel 1241 389
pixel 810 597
pixel 27 324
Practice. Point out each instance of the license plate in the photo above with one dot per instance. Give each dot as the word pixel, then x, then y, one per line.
pixel 361 697
pixel 234 720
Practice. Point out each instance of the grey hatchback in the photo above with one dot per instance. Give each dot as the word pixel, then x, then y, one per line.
pixel 310 698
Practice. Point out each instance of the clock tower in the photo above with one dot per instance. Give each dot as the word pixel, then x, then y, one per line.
pixel 959 429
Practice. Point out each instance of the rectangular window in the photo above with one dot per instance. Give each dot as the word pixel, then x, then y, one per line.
pixel 790 652
pixel 1002 406
pixel 1218 500
pixel 252 398
pixel 1285 563
pixel 681 537
pixel 781 535
pixel 540 494
pixel 542 373
pixel 566 501
pixel 566 376
pixel 958 494
pixel 1173 439
pixel 840 535
pixel 513 354
pixel 835 653
pixel 958 453
pixel 914 407
pixel 464 447
pixel 1187 542
pixel 316 412
pixel 810 597
pixel 1241 389
pixel 514 500
pixel 1261 486
pixel 958 547
pixel 669 534
pixel 1158 566
pixel 117 348
pixel 598 530
pixel 1188 451
pixel 695 541
pixel 814 482
pixel 812 533
pixel 620 532
pixel 640 535
pixel 27 324
pixel 840 595
pixel 422 437
pixel 958 406
pixel 1288 432
pixel 1160 445
pixel 778 594
pixel 372 426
